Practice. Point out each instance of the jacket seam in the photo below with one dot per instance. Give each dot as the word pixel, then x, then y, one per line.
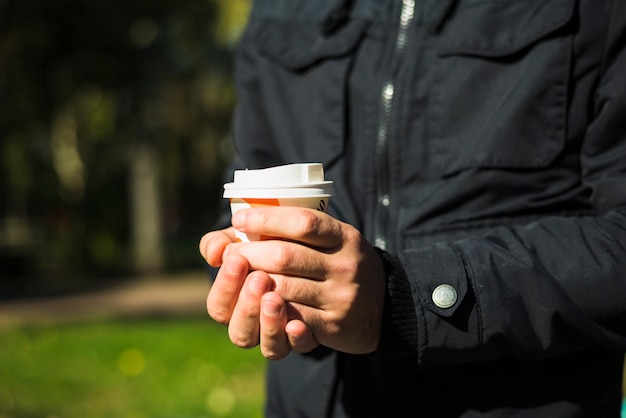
pixel 470 275
pixel 496 222
pixel 423 343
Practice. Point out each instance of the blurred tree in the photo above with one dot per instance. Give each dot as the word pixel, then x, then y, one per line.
pixel 99 102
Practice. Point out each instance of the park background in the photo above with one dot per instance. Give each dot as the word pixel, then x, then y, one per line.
pixel 114 134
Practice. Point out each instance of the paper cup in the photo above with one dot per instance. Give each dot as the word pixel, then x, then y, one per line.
pixel 300 185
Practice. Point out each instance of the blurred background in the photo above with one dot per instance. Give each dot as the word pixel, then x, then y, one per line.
pixel 114 133
pixel 114 124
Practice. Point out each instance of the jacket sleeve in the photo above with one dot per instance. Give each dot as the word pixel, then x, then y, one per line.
pixel 541 289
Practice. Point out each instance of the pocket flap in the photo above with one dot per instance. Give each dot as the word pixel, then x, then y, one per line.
pixel 298 45
pixel 504 27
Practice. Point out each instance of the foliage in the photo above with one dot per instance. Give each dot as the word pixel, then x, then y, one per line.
pixel 82 84
pixel 139 368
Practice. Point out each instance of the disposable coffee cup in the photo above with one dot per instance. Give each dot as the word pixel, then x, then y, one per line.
pixel 300 185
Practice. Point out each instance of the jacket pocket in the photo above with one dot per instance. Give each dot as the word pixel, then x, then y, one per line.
pixel 302 76
pixel 499 94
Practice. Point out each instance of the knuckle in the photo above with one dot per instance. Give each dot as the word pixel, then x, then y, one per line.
pixel 354 236
pixel 282 256
pixel 242 340
pixel 304 344
pixel 274 350
pixel 284 287
pixel 248 313
pixel 273 355
pixel 348 265
pixel 307 223
pixel 220 316
pixel 334 322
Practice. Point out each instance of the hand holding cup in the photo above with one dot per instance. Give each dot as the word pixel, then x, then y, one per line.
pixel 315 279
pixel 330 277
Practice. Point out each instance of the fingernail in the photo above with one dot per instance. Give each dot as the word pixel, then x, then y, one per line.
pixel 270 308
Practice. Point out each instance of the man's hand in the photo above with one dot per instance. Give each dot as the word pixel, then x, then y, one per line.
pixel 317 281
pixel 330 276
pixel 242 300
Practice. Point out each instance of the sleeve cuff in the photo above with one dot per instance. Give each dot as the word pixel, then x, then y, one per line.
pixel 399 332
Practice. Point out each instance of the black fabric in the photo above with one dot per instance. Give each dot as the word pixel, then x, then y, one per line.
pixel 399 333
pixel 503 149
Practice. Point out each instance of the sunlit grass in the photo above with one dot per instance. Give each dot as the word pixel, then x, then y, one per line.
pixel 127 369
pixel 149 368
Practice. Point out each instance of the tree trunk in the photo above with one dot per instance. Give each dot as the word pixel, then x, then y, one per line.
pixel 147 231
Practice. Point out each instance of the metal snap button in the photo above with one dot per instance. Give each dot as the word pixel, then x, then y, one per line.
pixel 444 296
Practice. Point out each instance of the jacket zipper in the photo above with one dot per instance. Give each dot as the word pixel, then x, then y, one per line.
pixel 382 157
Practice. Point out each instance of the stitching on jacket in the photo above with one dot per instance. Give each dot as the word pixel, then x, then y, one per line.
pixel 422 343
pixel 469 271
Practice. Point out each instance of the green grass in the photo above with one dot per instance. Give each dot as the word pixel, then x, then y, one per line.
pixel 148 368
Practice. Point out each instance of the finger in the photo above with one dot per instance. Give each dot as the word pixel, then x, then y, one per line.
pixel 283 257
pixel 304 320
pixel 302 274
pixel 274 342
pixel 304 225
pixel 243 328
pixel 224 291
pixel 213 244
pixel 300 337
pixel 301 291
pixel 309 327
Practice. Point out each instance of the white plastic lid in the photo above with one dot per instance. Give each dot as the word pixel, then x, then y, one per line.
pixel 293 180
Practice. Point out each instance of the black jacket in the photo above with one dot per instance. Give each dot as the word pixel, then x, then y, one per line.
pixel 482 145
